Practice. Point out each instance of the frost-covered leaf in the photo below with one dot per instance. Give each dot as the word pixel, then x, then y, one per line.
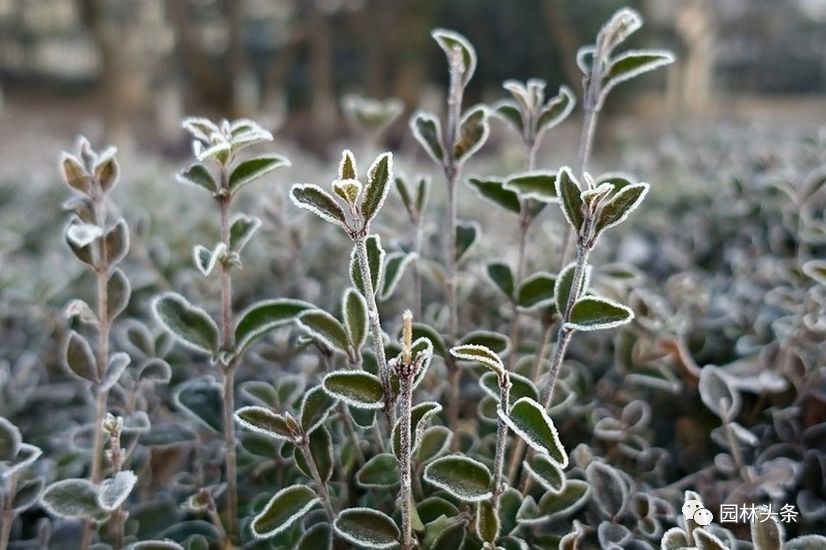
pixel 466 235
pixel 539 185
pixel 264 421
pixel 767 535
pixel 285 508
pixel 348 190
pixel 114 370
pixel 394 268
pixel 367 528
pixel 252 169
pixel 555 110
pixel 198 174
pixel 203 399
pixel 547 472
pixel 806 542
pixel 73 498
pixel 521 386
pixel 74 174
pixel 168 434
pixel 241 230
pixel 633 63
pixel 573 495
pixel 463 477
pixel 449 42
pixel 354 309
pixel 500 273
pixel 165 544
pixel 114 491
pixel 536 291
pixel 262 317
pixel 509 111
pixel 317 537
pixel 82 234
pixel 378 185
pixel 80 359
pixel 622 24
pixel 320 446
pixel 27 494
pixel 497 343
pixel 674 539
pixel 494 190
pixel 116 242
pixel 119 291
pixel 380 471
pixel 206 259
pixel 420 416
pixel 564 281
pixel 816 269
pixel 420 330
pixel 189 324
pixel 325 328
pixel 479 354
pixel 705 540
pixel 473 132
pixel 610 492
pixel 434 441
pixel 487 522
pixel 315 407
pixel 318 201
pixel 625 201
pixel 428 132
pixel 10 440
pixel 595 313
pixel 356 388
pixel 529 420
pixel 568 190
pixel 717 394
pixel 375 261
pixel 446 534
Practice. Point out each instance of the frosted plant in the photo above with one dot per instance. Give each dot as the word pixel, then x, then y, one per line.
pixel 19 490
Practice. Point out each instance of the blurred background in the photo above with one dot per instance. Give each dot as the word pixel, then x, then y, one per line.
pixel 127 70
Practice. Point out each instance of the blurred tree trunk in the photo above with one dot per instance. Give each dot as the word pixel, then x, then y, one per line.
pixel 323 110
pixel 563 35
pixel 413 21
pixel 244 92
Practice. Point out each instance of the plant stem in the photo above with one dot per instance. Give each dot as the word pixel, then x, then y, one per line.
pixel 564 336
pixel 320 485
pixel 417 275
pixel 405 491
pixel 7 514
pixel 375 328
pixel 453 400
pixel 524 224
pixel 452 169
pixel 501 438
pixel 228 370
pixel 351 433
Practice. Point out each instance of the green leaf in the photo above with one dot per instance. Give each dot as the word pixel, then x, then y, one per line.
pixel 375 260
pixel 529 420
pixel 494 191
pixel 325 328
pixel 463 477
pixel 593 313
pixel 192 326
pixel 421 330
pixel 536 291
pixel 252 169
pixel 74 174
pixel 73 498
pixel 80 359
pixel 508 111
pixel 564 281
pixel 165 544
pixel 262 317
pixel 633 63
pixel 347 166
pixel 318 201
pixel 356 388
pixel 555 110
pixel 717 394
pixel 198 174
pixel 538 184
pixel 481 355
pixel 500 273
pixel 428 132
pixel 114 491
pixel 608 487
pixel 451 40
pixel 317 537
pixel 10 440
pixel 521 386
pixel 315 407
pixel 434 441
pixel 206 259
pixel 119 291
pixel 674 539
pixel 420 415
pixel 379 472
pixel 394 268
pixel 241 230
pixel 497 343
pixel 422 192
pixel 767 535
pixel 168 434
pixel 447 534
pixel 573 495
pixel 568 190
pixel 264 421
pixel 117 242
pixel 547 472
pixel 487 522
pixel 625 201
pixel 378 185
pixel 473 132
pixel 367 528
pixel 354 308
pixel 203 399
pixel 321 449
pixel 816 269
pixel 27 494
pixel 285 508
pixel 467 234
pixel 114 370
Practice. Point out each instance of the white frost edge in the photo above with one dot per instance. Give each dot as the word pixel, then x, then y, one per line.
pixel 485 130
pixel 450 489
pixel 180 339
pixel 420 137
pixel 388 287
pixel 347 399
pixel 320 213
pixel 601 326
pixel 360 542
pixel 254 427
pixel 290 520
pixel 527 438
pixel 510 186
pixel 492 361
